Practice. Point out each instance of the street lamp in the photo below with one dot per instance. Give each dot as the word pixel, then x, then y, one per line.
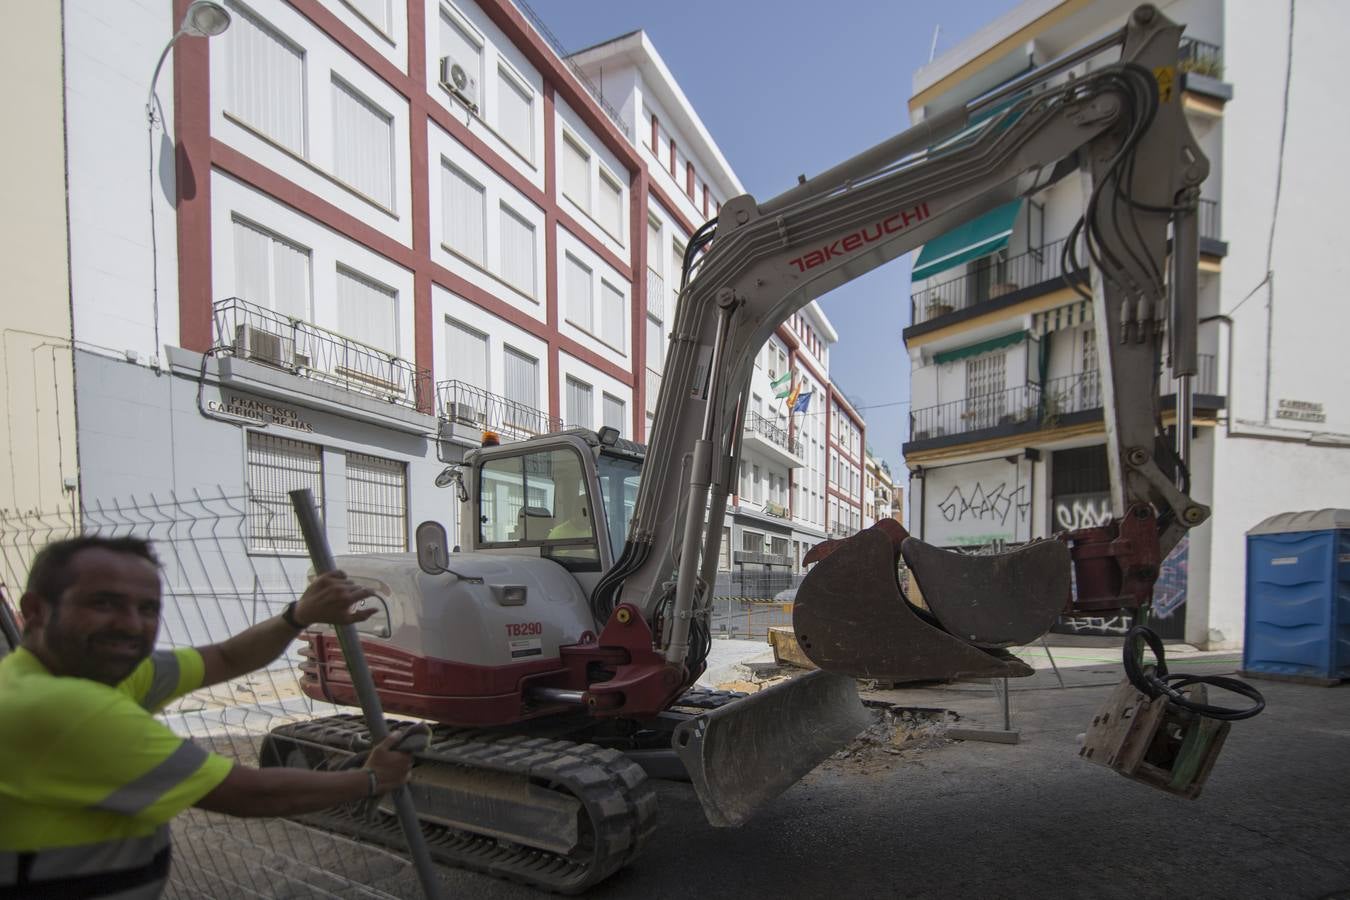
pixel 204 18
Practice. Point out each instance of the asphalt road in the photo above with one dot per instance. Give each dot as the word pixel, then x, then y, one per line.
pixel 953 820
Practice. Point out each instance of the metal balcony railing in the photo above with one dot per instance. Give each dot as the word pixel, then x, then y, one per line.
pixel 249 331
pixel 987 279
pixel 1201 57
pixel 468 404
pixel 1019 404
pixel 840 531
pixel 766 429
pixel 1208 213
pixel 1079 392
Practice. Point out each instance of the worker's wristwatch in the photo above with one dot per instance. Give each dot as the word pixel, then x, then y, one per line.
pixel 288 616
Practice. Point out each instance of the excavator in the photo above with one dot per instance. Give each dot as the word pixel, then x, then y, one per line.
pixel 556 649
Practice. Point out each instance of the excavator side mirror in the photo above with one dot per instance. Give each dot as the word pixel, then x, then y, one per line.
pixel 432 556
pixel 453 475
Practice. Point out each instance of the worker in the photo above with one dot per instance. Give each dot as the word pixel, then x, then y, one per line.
pixel 89 778
pixel 576 525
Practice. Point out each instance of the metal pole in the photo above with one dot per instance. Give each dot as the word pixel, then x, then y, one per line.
pixel 316 540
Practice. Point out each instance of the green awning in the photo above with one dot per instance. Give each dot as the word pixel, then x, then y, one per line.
pixel 997 343
pixel 980 236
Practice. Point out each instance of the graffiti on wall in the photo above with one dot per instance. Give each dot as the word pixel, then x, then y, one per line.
pixel 1074 511
pixel 1169 596
pixel 977 503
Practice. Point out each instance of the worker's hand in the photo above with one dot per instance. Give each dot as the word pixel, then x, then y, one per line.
pixel 392 767
pixel 329 599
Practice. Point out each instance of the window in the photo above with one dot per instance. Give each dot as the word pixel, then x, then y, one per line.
pixel 611 316
pixel 724 552
pixel 619 478
pixel 656 344
pixel 612 412
pixel 271 271
pixel 363 144
pixel 377 504
pixel 1089 382
pixel 986 398
pixel 752 542
pixel 376 12
pixel 466 352
pixel 266 80
pixel 517 251
pixel 463 213
pixel 609 205
pixel 367 311
pixel 277 466
pixel 463 47
pixel 539 499
pixel 578 403
pixel 778 546
pixel 576 173
pixel 757 485
pixel 515 113
pixel 578 294
pixel 522 387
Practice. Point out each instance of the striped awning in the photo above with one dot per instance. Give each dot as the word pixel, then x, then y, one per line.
pixel 1067 316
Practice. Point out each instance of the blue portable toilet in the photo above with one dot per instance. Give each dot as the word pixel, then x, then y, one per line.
pixel 1298 597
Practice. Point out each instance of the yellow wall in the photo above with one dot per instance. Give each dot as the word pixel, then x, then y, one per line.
pixel 37 403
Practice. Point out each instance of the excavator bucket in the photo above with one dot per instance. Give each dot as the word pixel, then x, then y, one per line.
pixel 850 616
pixel 744 754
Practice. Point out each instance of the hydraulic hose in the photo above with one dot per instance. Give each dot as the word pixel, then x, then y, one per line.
pixel 1155 681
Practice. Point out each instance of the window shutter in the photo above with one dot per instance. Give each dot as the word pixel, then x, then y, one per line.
pixel 656 345
pixel 611 316
pixel 579 294
pixel 463 213
pixel 363 141
pixel 467 354
pixel 461 47
pixel 266 80
pixel 578 403
pixel 376 12
pixel 522 378
pixel 515 114
pixel 609 206
pixel 517 251
pixel 367 311
pixel 576 174
pixel 613 412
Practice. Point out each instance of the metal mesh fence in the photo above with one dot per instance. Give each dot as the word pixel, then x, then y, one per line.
pixel 214 587
pixel 747 602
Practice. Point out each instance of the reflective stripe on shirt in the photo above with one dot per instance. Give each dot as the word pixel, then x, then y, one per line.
pixel 131 798
pixel 126 868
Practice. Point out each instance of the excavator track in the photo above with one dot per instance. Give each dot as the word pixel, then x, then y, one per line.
pixel 615 805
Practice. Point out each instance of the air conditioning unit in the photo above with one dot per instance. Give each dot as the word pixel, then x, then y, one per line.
pixel 459 411
pixel 456 79
pixel 263 346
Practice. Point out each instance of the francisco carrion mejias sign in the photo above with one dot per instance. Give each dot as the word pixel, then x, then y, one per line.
pixel 259 411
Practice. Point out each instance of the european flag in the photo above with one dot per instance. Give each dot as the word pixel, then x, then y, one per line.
pixel 802 403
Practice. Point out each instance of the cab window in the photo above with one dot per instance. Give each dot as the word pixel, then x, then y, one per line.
pixel 619 477
pixel 539 499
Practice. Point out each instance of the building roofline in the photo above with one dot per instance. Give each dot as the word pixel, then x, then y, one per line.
pixel 637 48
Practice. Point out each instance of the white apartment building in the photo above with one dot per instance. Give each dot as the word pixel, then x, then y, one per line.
pixel 1006 440
pixel 881 498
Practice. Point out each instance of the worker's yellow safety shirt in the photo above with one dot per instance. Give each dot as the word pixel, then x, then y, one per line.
pixel 89 778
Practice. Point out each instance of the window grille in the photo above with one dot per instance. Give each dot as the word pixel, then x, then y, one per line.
pixel 277 466
pixel 266 80
pixel 363 144
pixel 463 213
pixel 377 504
pixel 986 394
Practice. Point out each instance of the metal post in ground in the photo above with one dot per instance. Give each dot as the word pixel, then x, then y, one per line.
pixel 316 540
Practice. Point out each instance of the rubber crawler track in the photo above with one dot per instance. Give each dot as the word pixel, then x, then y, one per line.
pixel 618 801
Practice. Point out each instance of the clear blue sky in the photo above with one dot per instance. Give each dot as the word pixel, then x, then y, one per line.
pixel 793 87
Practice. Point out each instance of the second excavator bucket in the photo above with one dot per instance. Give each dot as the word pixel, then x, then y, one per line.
pixel 851 617
pixel 742 755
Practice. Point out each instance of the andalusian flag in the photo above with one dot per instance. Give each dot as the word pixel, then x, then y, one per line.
pixel 794 393
pixel 782 385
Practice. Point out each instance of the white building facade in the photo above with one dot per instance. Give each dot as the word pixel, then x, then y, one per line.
pixel 1006 440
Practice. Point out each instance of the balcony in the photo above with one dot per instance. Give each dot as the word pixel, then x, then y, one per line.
pixel 771 441
pixel 988 279
pixel 469 410
pixel 247 331
pixel 1201 66
pixel 1201 57
pixel 1032 407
